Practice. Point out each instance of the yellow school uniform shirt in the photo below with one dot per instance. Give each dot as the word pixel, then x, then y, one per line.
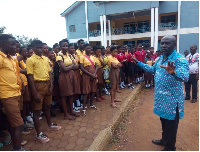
pixel 97 60
pixel 112 59
pixel 23 76
pixel 39 67
pixel 79 53
pixel 67 59
pixel 10 83
pixel 86 62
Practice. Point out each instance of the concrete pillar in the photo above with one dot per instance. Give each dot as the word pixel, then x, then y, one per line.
pixel 109 31
pixel 104 37
pixel 152 27
pixel 179 26
pixel 156 30
pixel 86 22
pixel 101 23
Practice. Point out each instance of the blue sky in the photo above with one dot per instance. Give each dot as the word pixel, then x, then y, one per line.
pixel 35 18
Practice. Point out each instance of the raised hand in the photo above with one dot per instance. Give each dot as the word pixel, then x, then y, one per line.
pixel 169 68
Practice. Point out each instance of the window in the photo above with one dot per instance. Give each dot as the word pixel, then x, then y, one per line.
pixel 129 28
pixel 72 28
pixel 169 18
pixel 143 26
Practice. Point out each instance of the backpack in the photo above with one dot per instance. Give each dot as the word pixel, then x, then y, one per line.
pixel 106 73
pixel 56 70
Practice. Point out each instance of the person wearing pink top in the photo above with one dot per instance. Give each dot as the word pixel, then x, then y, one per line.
pixel 140 56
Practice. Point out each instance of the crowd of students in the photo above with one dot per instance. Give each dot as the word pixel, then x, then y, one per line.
pixel 37 78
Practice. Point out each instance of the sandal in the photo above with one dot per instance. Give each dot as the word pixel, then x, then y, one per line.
pixel 93 107
pixel 113 105
pixel 84 112
pixel 117 100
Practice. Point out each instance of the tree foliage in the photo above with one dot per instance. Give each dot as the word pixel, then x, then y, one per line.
pixel 2 29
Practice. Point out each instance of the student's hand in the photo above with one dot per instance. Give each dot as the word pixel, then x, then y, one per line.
pixel 94 76
pixel 170 68
pixel 135 60
pixel 197 77
pixel 20 58
pixel 37 97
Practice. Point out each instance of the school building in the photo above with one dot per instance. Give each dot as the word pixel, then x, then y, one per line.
pixel 133 22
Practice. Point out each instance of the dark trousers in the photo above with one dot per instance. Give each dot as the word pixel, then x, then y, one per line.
pixel 169 131
pixel 192 81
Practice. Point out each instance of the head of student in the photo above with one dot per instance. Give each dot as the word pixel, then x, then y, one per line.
pixel 17 47
pixel 81 44
pixel 51 54
pixel 56 48
pixel 87 49
pixel 37 47
pixel 186 52
pixel 71 49
pixel 64 45
pixel 23 52
pixel 123 49
pixel 152 50
pixel 7 44
pixel 133 50
pixel 139 47
pixel 193 49
pixel 97 50
pixel 45 48
pixel 113 51
pixel 148 54
pixel 30 51
pixel 168 44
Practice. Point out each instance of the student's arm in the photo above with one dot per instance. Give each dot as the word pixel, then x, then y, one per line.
pixel 102 61
pixel 64 68
pixel 114 65
pixel 86 72
pixel 33 89
pixel 76 67
pixel 23 71
pixel 51 83
pixel 96 68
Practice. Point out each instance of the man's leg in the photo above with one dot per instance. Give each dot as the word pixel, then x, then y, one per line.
pixel 194 86
pixel 187 88
pixel 171 131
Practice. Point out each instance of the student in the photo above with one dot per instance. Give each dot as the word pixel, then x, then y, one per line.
pixel 148 77
pixel 30 51
pixel 45 50
pixel 56 49
pixel 10 85
pixel 122 59
pixel 80 51
pixel 77 77
pixel 89 77
pixel 131 68
pixel 66 80
pixel 186 52
pixel 153 55
pixel 140 55
pixel 114 75
pixel 40 79
pixel 100 63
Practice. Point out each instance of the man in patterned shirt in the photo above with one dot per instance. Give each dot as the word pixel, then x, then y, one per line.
pixel 170 70
pixel 193 60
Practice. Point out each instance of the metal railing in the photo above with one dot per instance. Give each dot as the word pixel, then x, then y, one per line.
pixel 167 26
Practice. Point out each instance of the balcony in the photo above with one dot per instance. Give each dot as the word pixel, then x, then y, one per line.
pixel 167 26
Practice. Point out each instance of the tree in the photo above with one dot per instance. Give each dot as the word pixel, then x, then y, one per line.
pixel 2 29
pixel 24 40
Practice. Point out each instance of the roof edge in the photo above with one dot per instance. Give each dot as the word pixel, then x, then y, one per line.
pixel 69 9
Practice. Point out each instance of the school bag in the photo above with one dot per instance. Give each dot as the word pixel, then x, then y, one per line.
pixel 56 70
pixel 106 73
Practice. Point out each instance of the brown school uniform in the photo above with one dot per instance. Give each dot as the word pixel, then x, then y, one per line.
pixel 114 72
pixel 10 86
pixel 99 71
pixel 66 79
pixel 88 83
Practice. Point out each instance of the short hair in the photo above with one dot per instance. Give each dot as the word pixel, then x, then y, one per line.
pixel 79 41
pixel 29 47
pixel 50 49
pixel 113 48
pixel 96 48
pixel 118 47
pixel 55 45
pixel 44 44
pixel 36 42
pixel 151 47
pixel 62 41
pixel 21 48
pixel 71 44
pixel 4 38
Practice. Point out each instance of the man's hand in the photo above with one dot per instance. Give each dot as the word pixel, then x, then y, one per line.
pixel 197 77
pixel 170 68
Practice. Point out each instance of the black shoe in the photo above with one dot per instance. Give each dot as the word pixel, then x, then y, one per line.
pixel 167 149
pixel 187 98
pixel 52 114
pixel 193 100
pixel 158 142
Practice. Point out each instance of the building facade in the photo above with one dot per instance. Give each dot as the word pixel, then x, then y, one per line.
pixel 133 22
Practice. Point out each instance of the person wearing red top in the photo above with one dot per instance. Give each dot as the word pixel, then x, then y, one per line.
pixel 153 55
pixel 122 59
pixel 140 56
pixel 131 68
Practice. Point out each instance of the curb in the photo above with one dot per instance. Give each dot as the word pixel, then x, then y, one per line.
pixel 105 135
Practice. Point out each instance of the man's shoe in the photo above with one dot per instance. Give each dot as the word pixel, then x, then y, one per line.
pixel 193 100
pixel 167 149
pixel 158 142
pixel 187 98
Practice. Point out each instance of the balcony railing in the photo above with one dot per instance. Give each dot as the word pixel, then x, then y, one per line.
pixel 167 26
